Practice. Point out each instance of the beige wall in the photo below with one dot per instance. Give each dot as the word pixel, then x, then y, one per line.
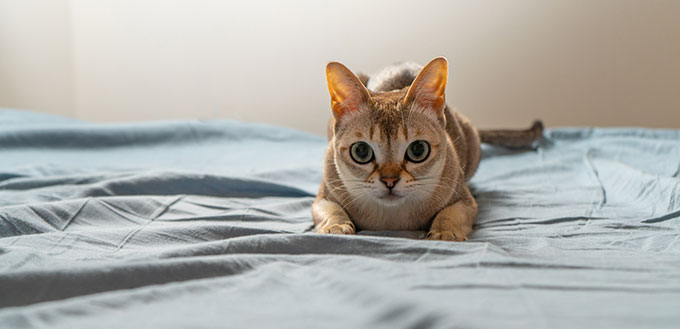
pixel 569 62
pixel 36 67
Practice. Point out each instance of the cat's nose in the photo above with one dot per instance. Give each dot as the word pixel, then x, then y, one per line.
pixel 389 174
pixel 389 181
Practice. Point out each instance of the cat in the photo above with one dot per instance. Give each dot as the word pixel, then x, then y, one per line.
pixel 398 157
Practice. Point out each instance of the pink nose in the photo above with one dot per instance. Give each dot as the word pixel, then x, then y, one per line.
pixel 389 181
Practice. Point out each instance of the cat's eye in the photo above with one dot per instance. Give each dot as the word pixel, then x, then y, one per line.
pixel 418 151
pixel 361 152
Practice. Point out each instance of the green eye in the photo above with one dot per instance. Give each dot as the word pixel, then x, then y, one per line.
pixel 418 151
pixel 361 152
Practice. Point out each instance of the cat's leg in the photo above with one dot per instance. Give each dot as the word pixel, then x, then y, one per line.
pixel 329 217
pixel 454 222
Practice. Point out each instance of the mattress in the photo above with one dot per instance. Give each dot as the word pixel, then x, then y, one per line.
pixel 206 224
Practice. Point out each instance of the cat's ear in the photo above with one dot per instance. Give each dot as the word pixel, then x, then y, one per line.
pixel 427 90
pixel 347 91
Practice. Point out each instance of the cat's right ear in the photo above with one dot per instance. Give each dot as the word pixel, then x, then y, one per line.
pixel 347 91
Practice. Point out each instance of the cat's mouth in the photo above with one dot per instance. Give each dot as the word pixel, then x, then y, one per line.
pixel 391 197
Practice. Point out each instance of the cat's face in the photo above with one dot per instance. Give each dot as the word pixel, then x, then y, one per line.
pixel 390 148
pixel 390 157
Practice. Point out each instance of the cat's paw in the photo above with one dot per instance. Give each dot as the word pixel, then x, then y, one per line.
pixel 446 235
pixel 347 228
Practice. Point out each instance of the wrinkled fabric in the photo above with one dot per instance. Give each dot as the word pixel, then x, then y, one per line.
pixel 202 224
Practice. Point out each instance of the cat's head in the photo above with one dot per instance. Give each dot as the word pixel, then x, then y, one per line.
pixel 390 147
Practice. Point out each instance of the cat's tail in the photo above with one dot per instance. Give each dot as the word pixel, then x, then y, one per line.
pixel 513 138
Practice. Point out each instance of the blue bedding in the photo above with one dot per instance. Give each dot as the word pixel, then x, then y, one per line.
pixel 205 224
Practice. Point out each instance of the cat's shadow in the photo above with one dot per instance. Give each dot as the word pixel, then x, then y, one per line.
pixel 388 234
pixel 395 234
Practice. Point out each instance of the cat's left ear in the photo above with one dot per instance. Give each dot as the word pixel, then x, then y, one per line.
pixel 347 91
pixel 427 90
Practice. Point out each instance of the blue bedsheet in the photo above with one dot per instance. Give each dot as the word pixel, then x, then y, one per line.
pixel 199 224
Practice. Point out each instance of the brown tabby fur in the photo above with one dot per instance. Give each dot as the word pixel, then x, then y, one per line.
pixel 390 192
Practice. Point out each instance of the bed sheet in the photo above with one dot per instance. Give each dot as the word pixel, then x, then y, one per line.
pixel 206 224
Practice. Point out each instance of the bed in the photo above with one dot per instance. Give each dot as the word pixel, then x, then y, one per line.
pixel 206 224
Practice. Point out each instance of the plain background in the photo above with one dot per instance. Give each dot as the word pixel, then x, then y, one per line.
pixel 593 63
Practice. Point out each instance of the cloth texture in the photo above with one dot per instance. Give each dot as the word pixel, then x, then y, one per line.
pixel 207 224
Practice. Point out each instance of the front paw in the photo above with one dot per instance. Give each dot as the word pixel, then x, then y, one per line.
pixel 345 228
pixel 446 235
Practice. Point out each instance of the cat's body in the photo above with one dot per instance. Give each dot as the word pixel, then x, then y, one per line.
pixel 398 157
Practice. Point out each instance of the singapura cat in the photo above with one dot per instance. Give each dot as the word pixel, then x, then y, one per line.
pixel 399 158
